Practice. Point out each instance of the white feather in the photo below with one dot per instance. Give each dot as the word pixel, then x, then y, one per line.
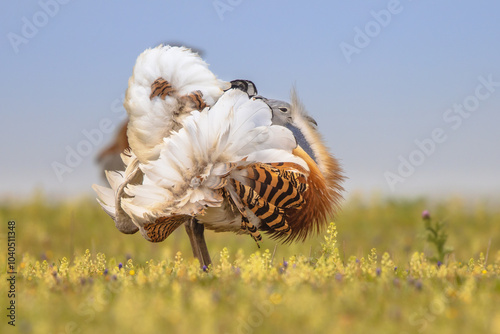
pixel 114 178
pixel 236 131
pixel 105 194
pixel 275 155
pixel 221 219
pixel 110 198
pixel 150 120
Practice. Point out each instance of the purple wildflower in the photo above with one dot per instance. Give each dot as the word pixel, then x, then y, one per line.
pixel 426 215
pixel 205 268
pixel 105 271
pixel 378 271
pixel 285 264
pixel 439 264
pixel 120 265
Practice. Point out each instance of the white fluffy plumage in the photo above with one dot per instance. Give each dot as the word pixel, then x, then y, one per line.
pixel 111 199
pixel 199 158
pixel 151 120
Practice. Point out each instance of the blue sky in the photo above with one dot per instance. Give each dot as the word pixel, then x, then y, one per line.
pixel 378 76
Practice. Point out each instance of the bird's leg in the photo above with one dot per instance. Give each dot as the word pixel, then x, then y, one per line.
pixel 245 222
pixel 197 239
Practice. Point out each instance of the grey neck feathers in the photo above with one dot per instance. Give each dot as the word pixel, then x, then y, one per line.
pixel 301 141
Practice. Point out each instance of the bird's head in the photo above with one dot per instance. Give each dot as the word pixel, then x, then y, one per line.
pixel 282 112
pixel 296 119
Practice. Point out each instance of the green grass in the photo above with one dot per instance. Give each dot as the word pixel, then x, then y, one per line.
pixel 373 271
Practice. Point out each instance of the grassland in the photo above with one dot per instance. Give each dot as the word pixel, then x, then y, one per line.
pixel 372 271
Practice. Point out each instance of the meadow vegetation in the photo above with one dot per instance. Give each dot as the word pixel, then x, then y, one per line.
pixel 380 268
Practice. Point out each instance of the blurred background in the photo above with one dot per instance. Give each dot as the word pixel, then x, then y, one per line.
pixel 406 93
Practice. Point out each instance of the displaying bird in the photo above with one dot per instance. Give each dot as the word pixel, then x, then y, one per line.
pixel 212 154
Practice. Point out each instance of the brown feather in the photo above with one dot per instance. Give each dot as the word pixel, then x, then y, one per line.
pixel 119 145
pixel 162 88
pixel 322 199
pixel 193 101
pixel 268 213
pixel 164 226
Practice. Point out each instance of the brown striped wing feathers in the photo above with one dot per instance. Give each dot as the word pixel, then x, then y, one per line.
pixel 267 190
pixel 322 199
pixel 279 184
pixel 164 226
pixel 162 88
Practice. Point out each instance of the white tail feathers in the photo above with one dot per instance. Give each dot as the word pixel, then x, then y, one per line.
pixel 110 199
pixel 152 119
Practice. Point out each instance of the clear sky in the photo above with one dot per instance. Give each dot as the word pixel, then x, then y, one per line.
pixel 406 93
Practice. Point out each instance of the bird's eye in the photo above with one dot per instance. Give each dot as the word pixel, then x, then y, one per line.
pixel 283 109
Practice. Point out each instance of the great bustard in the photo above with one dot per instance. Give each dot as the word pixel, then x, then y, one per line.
pixel 213 154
